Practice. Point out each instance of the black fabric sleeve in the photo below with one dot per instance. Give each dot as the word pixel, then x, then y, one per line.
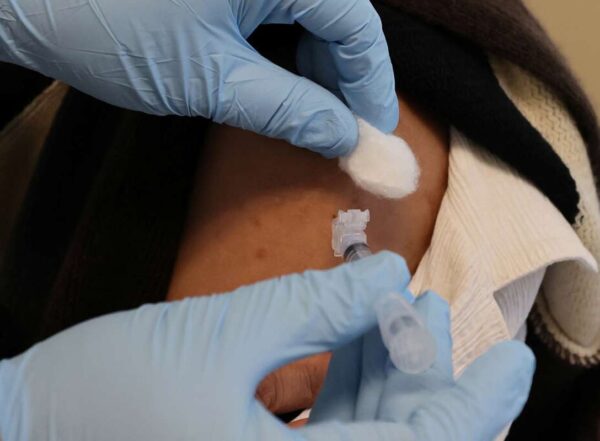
pixel 100 225
pixel 453 78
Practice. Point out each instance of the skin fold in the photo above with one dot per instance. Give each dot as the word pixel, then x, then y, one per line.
pixel 262 208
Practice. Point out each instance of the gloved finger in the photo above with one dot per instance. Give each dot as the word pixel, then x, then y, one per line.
pixel 303 314
pixel 360 55
pixel 403 393
pixel 337 399
pixel 489 395
pixel 294 386
pixel 315 62
pixel 357 431
pixel 258 95
pixel 375 358
pixel 364 375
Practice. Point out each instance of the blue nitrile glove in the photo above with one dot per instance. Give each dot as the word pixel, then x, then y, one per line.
pixel 191 57
pixel 363 386
pixel 189 370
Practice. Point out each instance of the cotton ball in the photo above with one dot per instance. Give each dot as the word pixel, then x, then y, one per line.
pixel 381 164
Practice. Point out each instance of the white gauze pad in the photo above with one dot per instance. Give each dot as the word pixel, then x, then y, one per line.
pixel 382 164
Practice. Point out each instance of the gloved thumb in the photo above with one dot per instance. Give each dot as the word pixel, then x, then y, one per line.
pixel 316 311
pixel 489 395
pixel 260 96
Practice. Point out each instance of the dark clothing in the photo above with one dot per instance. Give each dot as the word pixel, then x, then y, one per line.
pixel 507 28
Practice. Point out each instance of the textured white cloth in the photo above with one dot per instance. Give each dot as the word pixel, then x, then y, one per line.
pixel 519 296
pixel 567 313
pixel 494 236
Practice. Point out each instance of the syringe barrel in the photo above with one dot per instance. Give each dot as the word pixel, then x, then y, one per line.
pixel 411 346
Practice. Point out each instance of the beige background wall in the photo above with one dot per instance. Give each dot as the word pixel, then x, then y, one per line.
pixel 574 25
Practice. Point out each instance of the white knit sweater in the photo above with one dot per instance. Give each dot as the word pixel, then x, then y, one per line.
pixel 494 237
pixel 498 241
pixel 567 313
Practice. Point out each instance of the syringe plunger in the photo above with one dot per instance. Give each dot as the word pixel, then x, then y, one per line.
pixel 410 344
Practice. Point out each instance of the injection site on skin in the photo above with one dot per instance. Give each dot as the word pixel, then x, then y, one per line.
pixel 382 164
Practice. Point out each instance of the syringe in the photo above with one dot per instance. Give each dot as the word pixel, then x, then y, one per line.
pixel 410 344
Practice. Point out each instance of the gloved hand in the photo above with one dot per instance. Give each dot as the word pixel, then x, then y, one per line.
pixel 363 386
pixel 189 370
pixel 191 57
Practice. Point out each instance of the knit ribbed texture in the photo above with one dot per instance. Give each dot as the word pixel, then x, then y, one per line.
pixel 568 312
pixel 517 299
pixel 488 237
